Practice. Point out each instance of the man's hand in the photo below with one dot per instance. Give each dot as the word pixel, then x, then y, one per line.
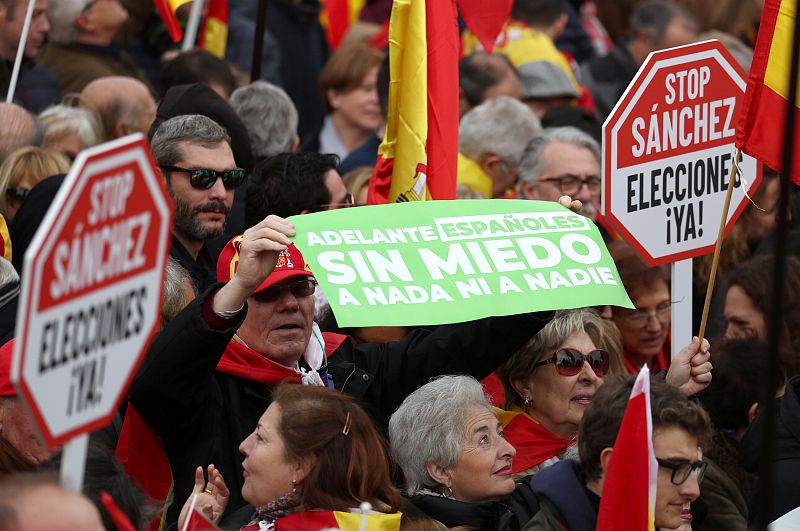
pixel 691 371
pixel 258 254
pixel 567 202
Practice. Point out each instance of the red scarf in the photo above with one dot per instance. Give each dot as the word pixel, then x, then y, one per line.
pixel 534 443
pixel 241 361
pixel 660 362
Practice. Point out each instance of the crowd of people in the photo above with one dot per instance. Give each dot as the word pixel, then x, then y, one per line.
pixel 256 409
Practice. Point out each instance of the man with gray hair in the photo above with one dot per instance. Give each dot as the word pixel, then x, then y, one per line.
pixel 492 137
pixel 20 128
pixel 562 161
pixel 194 154
pixel 81 45
pixel 269 116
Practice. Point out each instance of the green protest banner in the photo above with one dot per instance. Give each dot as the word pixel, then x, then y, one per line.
pixel 437 262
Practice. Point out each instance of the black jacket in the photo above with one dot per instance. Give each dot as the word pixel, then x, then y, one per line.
pixel 508 514
pixel 202 415
pixel 786 478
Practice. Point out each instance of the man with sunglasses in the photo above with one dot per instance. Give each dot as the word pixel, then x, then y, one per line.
pixel 569 492
pixel 208 375
pixel 194 154
pixel 562 161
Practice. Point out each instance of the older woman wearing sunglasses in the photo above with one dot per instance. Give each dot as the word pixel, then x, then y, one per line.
pixel 551 381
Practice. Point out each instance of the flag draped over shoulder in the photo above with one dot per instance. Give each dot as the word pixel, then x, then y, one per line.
pixel 629 485
pixel 417 158
pixel 214 36
pixel 761 126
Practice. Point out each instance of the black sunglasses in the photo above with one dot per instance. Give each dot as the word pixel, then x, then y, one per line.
pixel 569 361
pixel 298 288
pixel 204 178
pixel 681 470
pixel 17 193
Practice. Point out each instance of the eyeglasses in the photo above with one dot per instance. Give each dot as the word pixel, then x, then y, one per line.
pixel 569 361
pixel 571 184
pixel 681 470
pixel 347 202
pixel 17 193
pixel 298 288
pixel 640 318
pixel 204 178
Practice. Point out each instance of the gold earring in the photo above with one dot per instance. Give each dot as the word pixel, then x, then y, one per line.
pixel 527 401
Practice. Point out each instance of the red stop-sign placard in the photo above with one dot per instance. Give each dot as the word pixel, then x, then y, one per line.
pixel 668 151
pixel 92 287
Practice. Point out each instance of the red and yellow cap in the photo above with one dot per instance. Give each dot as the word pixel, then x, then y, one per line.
pixel 290 264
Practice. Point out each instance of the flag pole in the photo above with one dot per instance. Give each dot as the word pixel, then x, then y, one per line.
pixel 765 492
pixel 718 246
pixel 258 41
pixel 190 36
pixel 23 40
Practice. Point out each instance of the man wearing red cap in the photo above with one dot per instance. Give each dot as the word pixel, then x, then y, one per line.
pixel 208 376
pixel 15 426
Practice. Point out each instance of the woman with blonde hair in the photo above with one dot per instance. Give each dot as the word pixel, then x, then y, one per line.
pixel 23 169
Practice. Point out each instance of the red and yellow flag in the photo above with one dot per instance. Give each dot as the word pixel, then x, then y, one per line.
pixel 629 485
pixel 417 158
pixel 166 10
pixel 337 16
pixel 760 131
pixel 346 521
pixel 214 36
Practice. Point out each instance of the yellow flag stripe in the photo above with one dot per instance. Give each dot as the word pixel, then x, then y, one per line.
pixel 407 127
pixel 776 76
pixel 175 4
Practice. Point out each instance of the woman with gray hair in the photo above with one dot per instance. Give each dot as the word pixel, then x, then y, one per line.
pixel 457 463
pixel 551 381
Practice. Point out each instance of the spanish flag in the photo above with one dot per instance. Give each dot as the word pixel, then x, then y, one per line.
pixel 417 158
pixel 346 521
pixel 761 126
pixel 166 10
pixel 629 485
pixel 214 36
pixel 337 16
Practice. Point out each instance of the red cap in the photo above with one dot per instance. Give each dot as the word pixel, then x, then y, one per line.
pixel 290 264
pixel 6 387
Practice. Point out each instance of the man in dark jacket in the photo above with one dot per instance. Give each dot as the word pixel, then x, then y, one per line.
pixel 786 478
pixel 36 87
pixel 655 25
pixel 202 389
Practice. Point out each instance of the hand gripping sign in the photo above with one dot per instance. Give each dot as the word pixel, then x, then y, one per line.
pixel 92 285
pixel 668 152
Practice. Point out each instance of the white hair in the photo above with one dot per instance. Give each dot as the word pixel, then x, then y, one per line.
pixel 269 116
pixel 60 120
pixel 62 14
pixel 501 126
pixel 428 427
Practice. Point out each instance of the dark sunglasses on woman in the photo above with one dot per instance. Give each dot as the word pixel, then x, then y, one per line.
pixel 569 361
